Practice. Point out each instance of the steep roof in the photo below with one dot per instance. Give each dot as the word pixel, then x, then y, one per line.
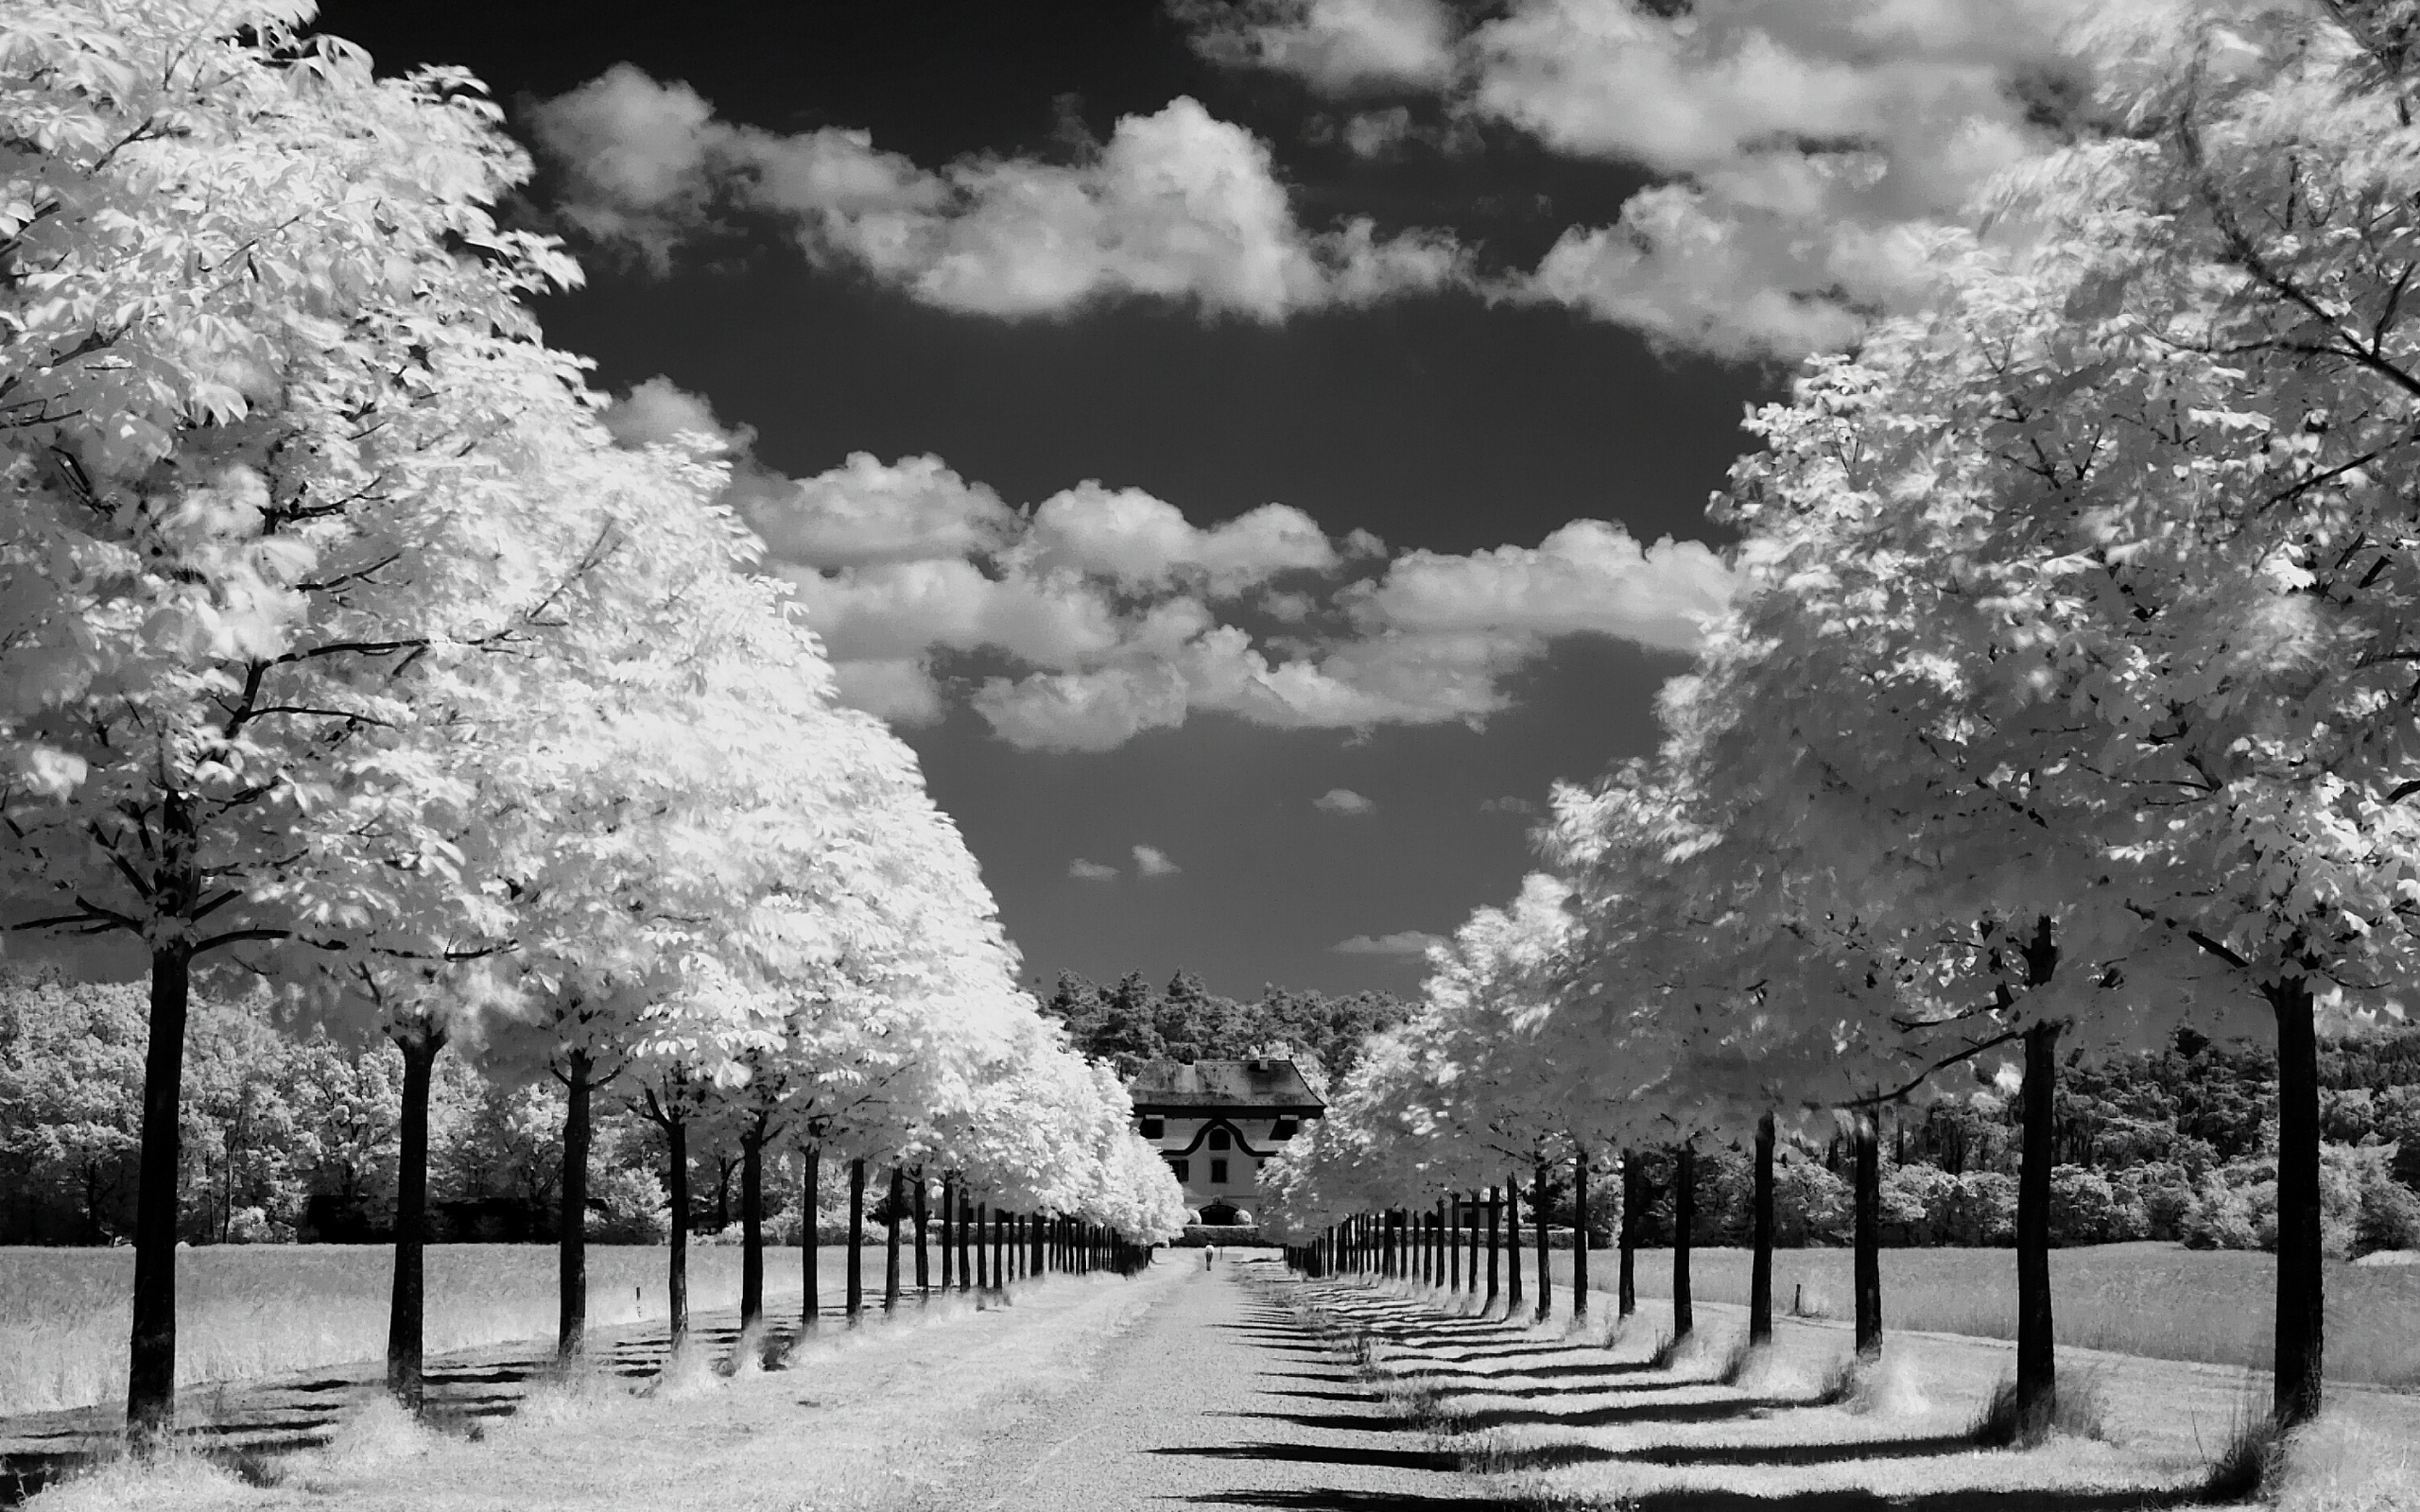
pixel 1202 1086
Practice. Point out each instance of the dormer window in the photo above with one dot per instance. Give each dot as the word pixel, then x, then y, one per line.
pixel 1154 1128
pixel 1218 1140
pixel 1285 1128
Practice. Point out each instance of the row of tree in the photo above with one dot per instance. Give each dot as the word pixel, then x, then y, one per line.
pixel 343 653
pixel 2067 694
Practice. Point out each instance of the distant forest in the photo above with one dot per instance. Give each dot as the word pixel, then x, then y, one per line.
pixel 1134 1021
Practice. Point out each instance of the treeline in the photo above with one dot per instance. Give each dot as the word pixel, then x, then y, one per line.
pixel 1132 1021
pixel 2178 1144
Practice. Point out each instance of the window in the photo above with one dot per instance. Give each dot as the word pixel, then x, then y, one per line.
pixel 1284 1129
pixel 1218 1140
pixel 1154 1128
pixel 1218 1172
pixel 1182 1170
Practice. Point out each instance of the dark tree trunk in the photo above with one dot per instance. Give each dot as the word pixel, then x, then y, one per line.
pixel 923 1254
pixel 856 1300
pixel 965 1238
pixel 2037 1371
pixel 751 1228
pixel 1579 1233
pixel 676 1180
pixel 404 1309
pixel 949 1228
pixel 571 1273
pixel 1633 1203
pixel 1867 1223
pixel 1511 1247
pixel 890 1239
pixel 1761 1268
pixel 151 1366
pixel 1477 1203
pixel 810 1239
pixel 1684 1217
pixel 1454 1244
pixel 1538 1211
pixel 2301 1336
pixel 1495 1239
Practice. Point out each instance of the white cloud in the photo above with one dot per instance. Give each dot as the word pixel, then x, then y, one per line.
pixel 1176 206
pixel 1589 576
pixel 1082 870
pixel 1110 608
pixel 659 411
pixel 1340 44
pixel 865 513
pixel 1807 151
pixel 1151 861
pixel 1343 800
pixel 1403 943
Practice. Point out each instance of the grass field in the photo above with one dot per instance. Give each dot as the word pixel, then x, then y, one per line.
pixel 255 1310
pixel 2161 1301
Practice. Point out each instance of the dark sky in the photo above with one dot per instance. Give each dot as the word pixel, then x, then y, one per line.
pixel 1440 422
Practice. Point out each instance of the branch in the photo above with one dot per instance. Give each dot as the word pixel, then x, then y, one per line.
pixel 1925 1075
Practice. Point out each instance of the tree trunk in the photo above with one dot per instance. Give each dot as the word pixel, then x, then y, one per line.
pixel 1633 1203
pixel 1868 1239
pixel 751 1228
pixel 151 1366
pixel 1495 1236
pixel 571 1273
pixel 856 1300
pixel 965 1238
pixel 2301 1336
pixel 1538 1211
pixel 1578 1232
pixel 2037 1373
pixel 676 1280
pixel 890 1239
pixel 1684 1217
pixel 949 1228
pixel 923 1254
pixel 810 1239
pixel 405 1312
pixel 1453 1246
pixel 1761 1268
pixel 1511 1247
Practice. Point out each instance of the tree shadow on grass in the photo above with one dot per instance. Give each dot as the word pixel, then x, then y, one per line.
pixel 1799 1454
pixel 1340 1421
pixel 1398 1459
pixel 1339 1501
pixel 1856 1499
pixel 1544 1372
pixel 1626 1412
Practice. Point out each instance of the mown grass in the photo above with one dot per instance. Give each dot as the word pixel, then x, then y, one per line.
pixel 2161 1301
pixel 258 1309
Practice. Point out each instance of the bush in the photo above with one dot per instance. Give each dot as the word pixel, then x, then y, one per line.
pixel 2163 1192
pixel 1979 1210
pixel 1912 1197
pixel 2086 1209
pixel 1811 1204
pixel 2390 1218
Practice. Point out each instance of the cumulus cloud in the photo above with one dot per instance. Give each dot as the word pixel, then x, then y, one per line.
pixel 1340 44
pixel 1176 206
pixel 1403 943
pixel 1100 614
pixel 1082 870
pixel 1343 800
pixel 1808 152
pixel 1151 861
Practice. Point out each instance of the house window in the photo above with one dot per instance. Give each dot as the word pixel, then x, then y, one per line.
pixel 1218 1172
pixel 1154 1128
pixel 1218 1140
pixel 1182 1170
pixel 1282 1131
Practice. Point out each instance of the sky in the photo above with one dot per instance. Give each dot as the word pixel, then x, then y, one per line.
pixel 1250 450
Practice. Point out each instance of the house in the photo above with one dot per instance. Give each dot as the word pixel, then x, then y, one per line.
pixel 1216 1122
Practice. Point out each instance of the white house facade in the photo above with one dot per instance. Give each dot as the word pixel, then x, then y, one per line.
pixel 1217 1123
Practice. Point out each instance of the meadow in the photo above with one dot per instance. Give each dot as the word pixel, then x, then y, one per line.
pixel 257 1309
pixel 2160 1300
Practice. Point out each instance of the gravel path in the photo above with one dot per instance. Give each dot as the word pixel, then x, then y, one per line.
pixel 1219 1397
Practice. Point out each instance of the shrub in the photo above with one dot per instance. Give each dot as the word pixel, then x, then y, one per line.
pixel 1910 1197
pixel 1811 1204
pixel 2390 1218
pixel 1980 1210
